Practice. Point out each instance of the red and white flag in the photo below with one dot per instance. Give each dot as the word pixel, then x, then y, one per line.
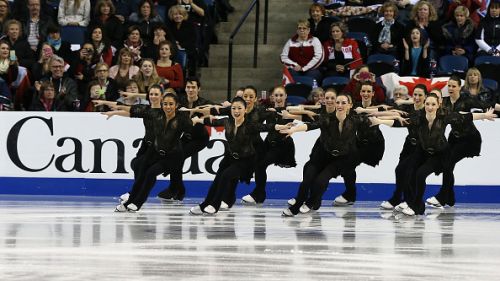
pixel 391 80
pixel 287 77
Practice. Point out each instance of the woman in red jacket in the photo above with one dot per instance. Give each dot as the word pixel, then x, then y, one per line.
pixel 341 53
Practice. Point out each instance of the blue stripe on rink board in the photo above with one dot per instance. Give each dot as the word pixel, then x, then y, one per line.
pixel 275 190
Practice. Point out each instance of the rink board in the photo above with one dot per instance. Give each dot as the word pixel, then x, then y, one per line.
pixel 85 154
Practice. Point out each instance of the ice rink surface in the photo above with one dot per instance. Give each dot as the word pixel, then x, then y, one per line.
pixel 81 238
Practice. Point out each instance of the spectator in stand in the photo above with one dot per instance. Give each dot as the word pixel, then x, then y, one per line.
pixel 362 75
pixel 61 48
pixel 424 16
pixel 104 50
pixel 35 24
pixel 41 68
pixel 341 53
pixel 124 70
pixel 472 5
pixel 389 32
pixel 320 25
pixel 133 88
pixel 474 88
pixel 400 92
pixel 104 16
pixel 102 88
pixel 4 12
pixel 83 67
pixel 317 97
pixel 185 34
pixel 459 34
pixel 45 100
pixel 168 69
pixel 135 44
pixel 94 93
pixel 196 10
pixel 147 77
pixel 161 33
pixel 303 53
pixel 13 35
pixel 74 13
pixel 488 33
pixel 9 66
pixel 416 54
pixel 65 88
pixel 146 18
pixel 107 85
pixel 19 11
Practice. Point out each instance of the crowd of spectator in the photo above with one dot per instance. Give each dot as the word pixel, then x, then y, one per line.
pixel 129 44
pixel 415 34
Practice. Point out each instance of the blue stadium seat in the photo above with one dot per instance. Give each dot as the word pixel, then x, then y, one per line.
pixel 73 34
pixel 304 80
pixel 487 60
pixel 295 89
pixel 335 81
pixel 488 66
pixel 381 64
pixel 490 84
pixel 295 100
pixel 449 64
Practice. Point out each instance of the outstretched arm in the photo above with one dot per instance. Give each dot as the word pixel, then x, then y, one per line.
pixel 488 115
pixel 110 114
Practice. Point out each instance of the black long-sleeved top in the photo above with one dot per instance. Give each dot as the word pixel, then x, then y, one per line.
pixel 336 142
pixel 165 134
pixel 366 132
pixel 139 111
pixel 275 118
pixel 433 139
pixel 199 130
pixel 413 113
pixel 240 140
pixel 259 114
pixel 464 104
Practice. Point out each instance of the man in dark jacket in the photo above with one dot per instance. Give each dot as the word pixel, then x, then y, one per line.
pixel 35 24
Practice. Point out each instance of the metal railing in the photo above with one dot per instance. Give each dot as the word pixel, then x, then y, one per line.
pixel 255 4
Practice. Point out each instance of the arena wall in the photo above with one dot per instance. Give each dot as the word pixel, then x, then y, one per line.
pixel 85 154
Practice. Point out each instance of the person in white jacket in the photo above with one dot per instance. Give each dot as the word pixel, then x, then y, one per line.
pixel 303 53
pixel 74 13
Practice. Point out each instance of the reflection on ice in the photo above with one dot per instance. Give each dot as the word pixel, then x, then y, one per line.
pixel 81 238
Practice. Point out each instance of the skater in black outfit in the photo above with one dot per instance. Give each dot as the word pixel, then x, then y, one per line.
pixel 240 157
pixel 165 154
pixel 432 154
pixel 405 165
pixel 196 142
pixel 279 150
pixel 464 140
pixel 154 108
pixel 337 153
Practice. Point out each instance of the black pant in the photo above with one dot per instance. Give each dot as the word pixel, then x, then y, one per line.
pixel 149 167
pixel 176 188
pixel 459 149
pixel 229 172
pixel 426 164
pixel 405 171
pixel 317 175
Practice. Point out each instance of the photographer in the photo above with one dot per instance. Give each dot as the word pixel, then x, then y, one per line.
pixel 363 74
pixel 83 67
